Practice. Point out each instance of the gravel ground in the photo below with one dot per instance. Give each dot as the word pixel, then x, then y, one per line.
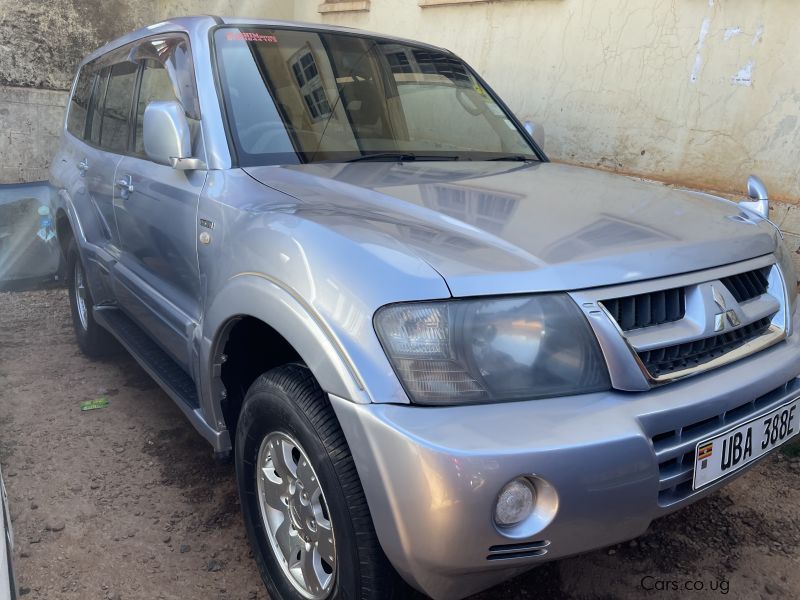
pixel 126 501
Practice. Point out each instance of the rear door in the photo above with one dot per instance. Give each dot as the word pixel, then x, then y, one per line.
pixel 88 172
pixel 107 136
pixel 156 209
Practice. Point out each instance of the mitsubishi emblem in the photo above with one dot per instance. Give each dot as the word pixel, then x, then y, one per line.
pixel 724 314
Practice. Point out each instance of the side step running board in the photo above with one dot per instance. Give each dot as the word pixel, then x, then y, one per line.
pixel 161 367
pixel 158 364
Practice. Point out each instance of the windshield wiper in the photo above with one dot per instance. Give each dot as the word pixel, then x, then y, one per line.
pixel 400 157
pixel 514 157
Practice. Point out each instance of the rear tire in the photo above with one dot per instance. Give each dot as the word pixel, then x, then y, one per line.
pixel 93 340
pixel 288 425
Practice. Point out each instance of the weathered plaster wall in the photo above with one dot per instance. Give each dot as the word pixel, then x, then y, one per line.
pixel 30 124
pixel 787 217
pixel 272 9
pixel 702 92
pixel 42 42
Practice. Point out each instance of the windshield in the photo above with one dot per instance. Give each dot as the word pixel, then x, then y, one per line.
pixel 295 96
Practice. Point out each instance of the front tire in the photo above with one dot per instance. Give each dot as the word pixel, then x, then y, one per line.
pixel 93 340
pixel 304 507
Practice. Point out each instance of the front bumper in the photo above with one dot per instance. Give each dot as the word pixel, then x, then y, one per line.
pixel 431 475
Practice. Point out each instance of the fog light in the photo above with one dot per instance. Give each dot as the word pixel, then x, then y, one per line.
pixel 515 502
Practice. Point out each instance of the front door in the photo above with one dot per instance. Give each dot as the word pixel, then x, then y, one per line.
pixel 158 281
pixel 156 208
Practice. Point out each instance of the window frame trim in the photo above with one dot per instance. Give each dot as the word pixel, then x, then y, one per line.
pixel 73 90
pixel 107 60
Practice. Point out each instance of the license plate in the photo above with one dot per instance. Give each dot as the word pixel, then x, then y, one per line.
pixel 730 451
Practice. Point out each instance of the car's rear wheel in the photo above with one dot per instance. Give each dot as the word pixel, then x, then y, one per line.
pixel 92 339
pixel 303 504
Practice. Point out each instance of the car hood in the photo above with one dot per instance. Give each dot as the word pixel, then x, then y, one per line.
pixel 494 228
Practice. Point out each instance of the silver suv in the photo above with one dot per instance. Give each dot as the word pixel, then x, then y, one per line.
pixel 430 351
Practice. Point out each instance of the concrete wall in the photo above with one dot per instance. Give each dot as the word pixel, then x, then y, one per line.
pixel 30 125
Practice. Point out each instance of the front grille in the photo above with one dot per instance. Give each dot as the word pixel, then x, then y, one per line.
pixel 663 361
pixel 675 448
pixel 746 286
pixel 523 550
pixel 647 310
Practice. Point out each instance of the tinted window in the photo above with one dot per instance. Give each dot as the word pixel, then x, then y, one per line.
pixel 173 54
pixel 94 118
pixel 252 107
pixel 78 106
pixel 116 110
pixel 304 96
pixel 156 85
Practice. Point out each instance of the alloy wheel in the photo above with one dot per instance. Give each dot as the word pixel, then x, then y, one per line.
pixel 81 295
pixel 295 516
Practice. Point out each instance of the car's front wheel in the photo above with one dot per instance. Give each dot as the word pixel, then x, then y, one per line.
pixel 303 504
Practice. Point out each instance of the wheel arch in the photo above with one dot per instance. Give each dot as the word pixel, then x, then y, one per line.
pixel 256 314
pixel 64 230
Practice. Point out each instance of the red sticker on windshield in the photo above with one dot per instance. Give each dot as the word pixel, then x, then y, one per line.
pixel 250 36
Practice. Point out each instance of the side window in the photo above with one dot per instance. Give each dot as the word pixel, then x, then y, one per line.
pixel 156 85
pixel 116 109
pixel 78 106
pixel 167 74
pixel 94 118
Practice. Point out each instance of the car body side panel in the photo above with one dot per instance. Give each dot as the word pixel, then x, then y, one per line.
pixel 74 195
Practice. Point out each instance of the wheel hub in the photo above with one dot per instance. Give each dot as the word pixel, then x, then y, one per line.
pixel 295 516
pixel 81 301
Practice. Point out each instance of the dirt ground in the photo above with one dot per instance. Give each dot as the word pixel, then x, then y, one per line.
pixel 126 502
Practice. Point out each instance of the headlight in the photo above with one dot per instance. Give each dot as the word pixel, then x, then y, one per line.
pixel 484 350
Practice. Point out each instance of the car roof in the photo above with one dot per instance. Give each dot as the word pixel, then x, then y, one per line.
pixel 206 22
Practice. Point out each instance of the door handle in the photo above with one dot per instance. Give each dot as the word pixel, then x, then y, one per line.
pixel 83 166
pixel 125 184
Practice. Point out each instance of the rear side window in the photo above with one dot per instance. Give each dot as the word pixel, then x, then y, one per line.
pixel 156 85
pixel 117 107
pixel 79 104
pixel 95 117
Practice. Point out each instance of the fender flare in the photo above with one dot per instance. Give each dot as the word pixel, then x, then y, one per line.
pixel 265 298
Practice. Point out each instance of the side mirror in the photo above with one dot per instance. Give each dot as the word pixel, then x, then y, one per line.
pixel 167 137
pixel 757 191
pixel 536 131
